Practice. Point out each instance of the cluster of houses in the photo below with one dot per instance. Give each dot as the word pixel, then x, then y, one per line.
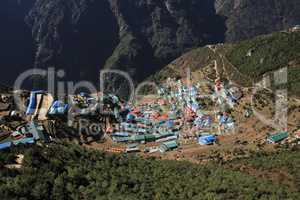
pixel 38 123
pixel 165 120
pixel 146 124
pixel 27 133
pixel 177 115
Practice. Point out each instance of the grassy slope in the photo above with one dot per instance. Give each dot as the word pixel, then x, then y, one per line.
pixel 269 53
pixel 276 50
pixel 71 172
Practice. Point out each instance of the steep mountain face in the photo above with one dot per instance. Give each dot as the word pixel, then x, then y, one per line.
pixel 74 35
pixel 248 18
pixel 138 36
pixel 16 41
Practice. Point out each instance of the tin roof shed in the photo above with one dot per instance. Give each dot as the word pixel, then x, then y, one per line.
pixel 275 138
pixel 5 145
pixel 168 146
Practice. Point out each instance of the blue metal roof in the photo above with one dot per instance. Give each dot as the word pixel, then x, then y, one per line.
pixel 58 107
pixel 207 139
pixel 32 102
pixel 5 145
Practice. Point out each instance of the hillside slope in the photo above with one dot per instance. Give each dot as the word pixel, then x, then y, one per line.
pixel 245 63
pixel 71 172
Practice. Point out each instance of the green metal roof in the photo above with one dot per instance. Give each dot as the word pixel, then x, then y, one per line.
pixel 165 134
pixel 137 137
pixel 121 139
pixel 171 144
pixel 150 137
pixel 278 136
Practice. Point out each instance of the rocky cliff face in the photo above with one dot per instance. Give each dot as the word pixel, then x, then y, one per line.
pixel 75 35
pixel 138 36
pixel 249 18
